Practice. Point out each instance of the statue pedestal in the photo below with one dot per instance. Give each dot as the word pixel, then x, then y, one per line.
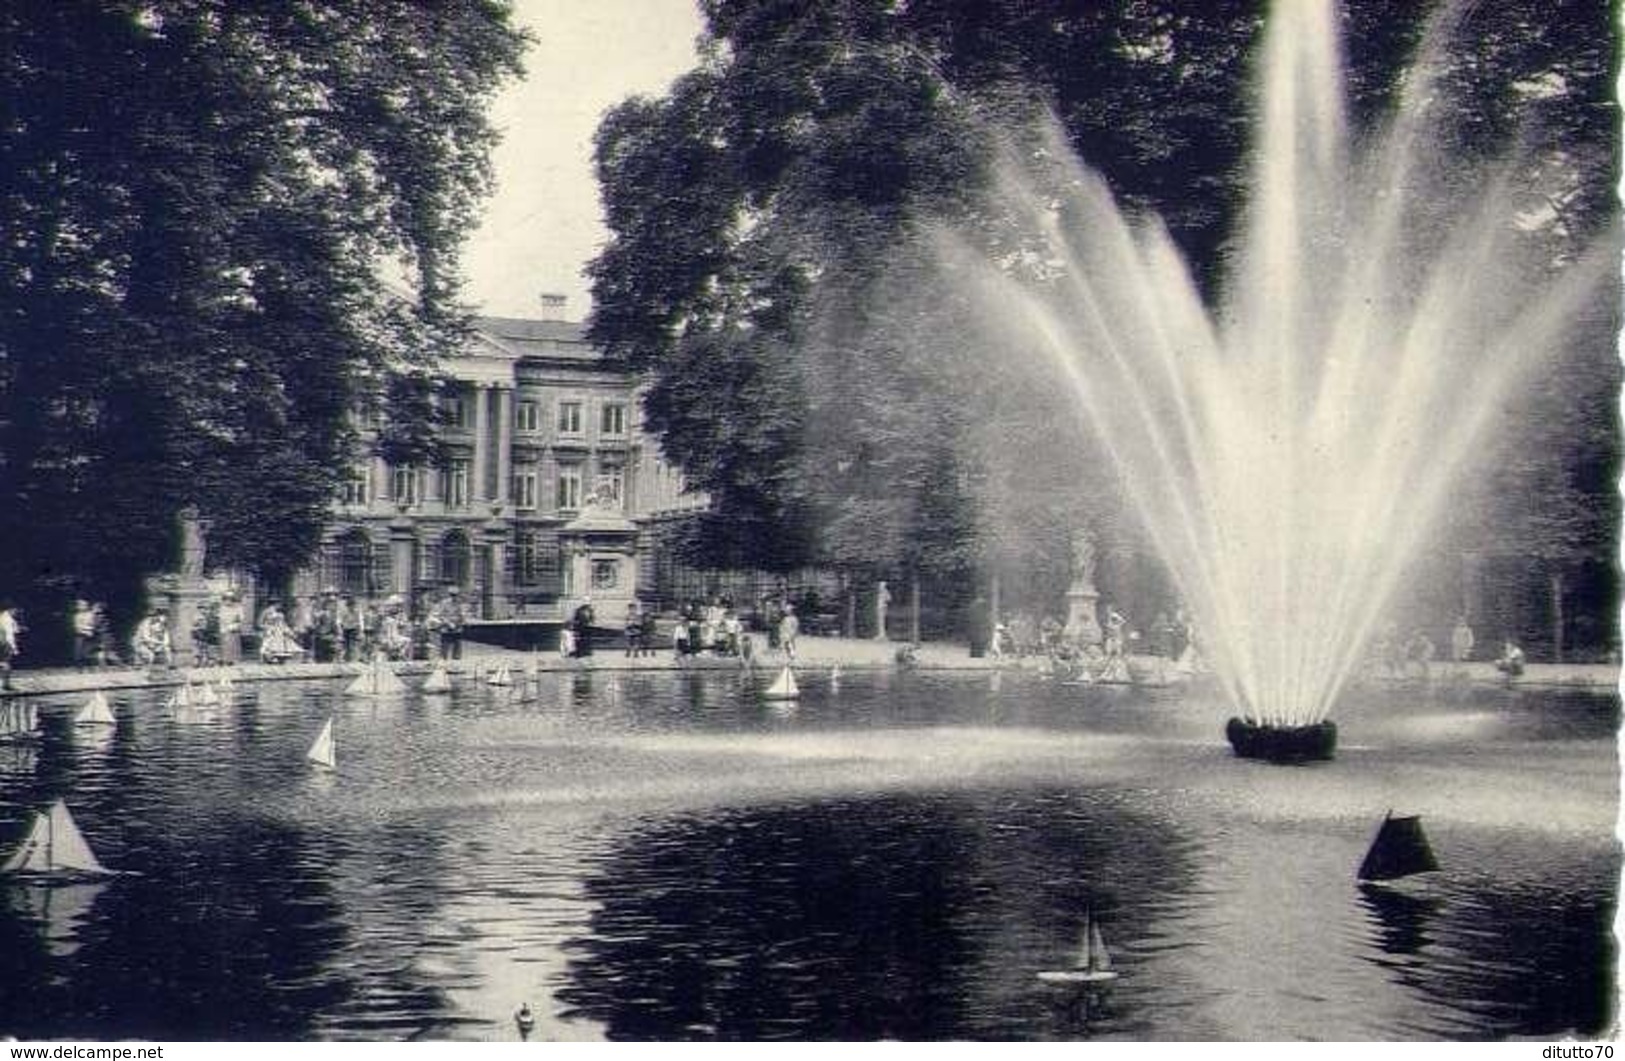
pixel 1082 625
pixel 185 598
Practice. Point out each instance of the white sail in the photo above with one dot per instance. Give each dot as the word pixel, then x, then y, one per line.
pixel 1096 958
pixel 30 719
pixel 204 695
pixel 54 844
pixel 835 676
pixel 96 712
pixel 322 751
pixel 784 686
pixel 501 676
pixel 438 681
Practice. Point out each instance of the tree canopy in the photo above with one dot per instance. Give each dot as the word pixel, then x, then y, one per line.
pixel 200 197
pixel 769 217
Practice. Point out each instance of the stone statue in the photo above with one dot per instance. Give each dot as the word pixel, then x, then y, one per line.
pixel 194 546
pixel 882 600
pixel 1083 560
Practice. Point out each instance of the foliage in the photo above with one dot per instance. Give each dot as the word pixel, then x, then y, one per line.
pixel 770 215
pixel 198 197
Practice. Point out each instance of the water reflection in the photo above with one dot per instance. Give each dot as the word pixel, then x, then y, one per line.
pixel 663 856
pixel 912 917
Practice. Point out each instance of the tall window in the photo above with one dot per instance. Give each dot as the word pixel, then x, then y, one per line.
pixel 527 417
pixel 612 419
pixel 454 558
pixel 526 570
pixel 403 482
pixel 569 487
pixel 569 418
pixel 524 487
pixel 355 564
pixel 458 484
pixel 455 408
pixel 353 491
pixel 612 481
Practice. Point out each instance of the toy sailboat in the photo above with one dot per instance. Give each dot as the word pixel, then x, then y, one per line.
pixel 96 712
pixel 784 686
pixel 501 676
pixel 322 752
pixel 438 681
pixel 1399 850
pixel 19 721
pixel 54 847
pixel 1094 961
pixel 376 680
pixel 835 677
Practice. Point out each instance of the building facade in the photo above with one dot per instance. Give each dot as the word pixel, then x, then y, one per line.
pixel 548 499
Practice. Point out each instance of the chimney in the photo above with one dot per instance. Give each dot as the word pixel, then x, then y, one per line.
pixel 553 306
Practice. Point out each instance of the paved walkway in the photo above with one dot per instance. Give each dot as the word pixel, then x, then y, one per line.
pixel 811 652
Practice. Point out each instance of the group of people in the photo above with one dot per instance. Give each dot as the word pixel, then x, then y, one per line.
pixel 1412 656
pixel 714 627
pixel 334 628
pixel 1172 640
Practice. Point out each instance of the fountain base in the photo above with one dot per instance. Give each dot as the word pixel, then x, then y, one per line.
pixel 1282 744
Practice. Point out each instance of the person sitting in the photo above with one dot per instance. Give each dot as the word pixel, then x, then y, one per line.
pixel 151 645
pixel 1511 661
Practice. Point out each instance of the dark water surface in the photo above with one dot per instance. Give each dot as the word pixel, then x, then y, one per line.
pixel 664 856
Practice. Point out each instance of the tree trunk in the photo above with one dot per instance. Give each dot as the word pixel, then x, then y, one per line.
pixel 850 619
pixel 993 600
pixel 1557 616
pixel 914 608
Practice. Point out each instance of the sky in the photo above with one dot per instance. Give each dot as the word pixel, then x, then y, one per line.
pixel 544 223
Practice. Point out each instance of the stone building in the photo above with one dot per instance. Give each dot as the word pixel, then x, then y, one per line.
pixel 547 501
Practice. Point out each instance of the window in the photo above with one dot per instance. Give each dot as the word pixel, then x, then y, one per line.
pixel 612 419
pixel 353 491
pixel 526 570
pixel 524 488
pixel 455 408
pixel 458 479
pixel 569 418
pixel 527 417
pixel 611 486
pixel 355 564
pixel 404 485
pixel 535 560
pixel 454 558
pixel 569 491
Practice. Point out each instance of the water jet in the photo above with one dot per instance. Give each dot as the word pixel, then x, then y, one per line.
pixel 1289 444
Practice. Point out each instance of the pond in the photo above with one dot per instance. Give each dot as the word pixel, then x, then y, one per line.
pixel 663 855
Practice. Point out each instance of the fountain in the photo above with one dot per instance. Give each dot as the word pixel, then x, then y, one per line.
pixel 1288 449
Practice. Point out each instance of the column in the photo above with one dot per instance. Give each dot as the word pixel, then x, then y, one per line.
pixel 504 398
pixel 482 431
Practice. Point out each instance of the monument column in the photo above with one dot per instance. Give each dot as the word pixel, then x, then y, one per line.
pixel 502 396
pixel 1082 620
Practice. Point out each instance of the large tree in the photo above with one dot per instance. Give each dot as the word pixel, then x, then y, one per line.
pixel 769 217
pixel 199 198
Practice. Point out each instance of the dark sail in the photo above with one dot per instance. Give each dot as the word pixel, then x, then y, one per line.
pixel 1400 849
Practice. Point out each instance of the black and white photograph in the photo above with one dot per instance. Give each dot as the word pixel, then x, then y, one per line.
pixel 833 521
